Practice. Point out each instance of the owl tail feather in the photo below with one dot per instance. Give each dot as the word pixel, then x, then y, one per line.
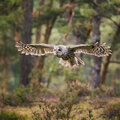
pixel 79 60
pixel 75 62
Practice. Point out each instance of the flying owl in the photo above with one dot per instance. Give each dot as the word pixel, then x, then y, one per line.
pixel 68 54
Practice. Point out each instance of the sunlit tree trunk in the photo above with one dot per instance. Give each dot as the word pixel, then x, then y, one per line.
pixel 48 31
pixel 39 62
pixel 107 60
pixel 26 33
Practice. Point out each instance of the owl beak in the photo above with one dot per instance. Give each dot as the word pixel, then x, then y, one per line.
pixel 55 53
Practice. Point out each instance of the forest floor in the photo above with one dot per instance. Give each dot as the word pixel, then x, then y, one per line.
pixel 90 108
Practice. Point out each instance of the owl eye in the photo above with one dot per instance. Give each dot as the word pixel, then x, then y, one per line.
pixel 59 49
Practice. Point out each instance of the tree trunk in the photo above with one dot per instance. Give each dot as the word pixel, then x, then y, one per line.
pixel 26 32
pixel 39 62
pixel 104 69
pixel 97 60
pixel 48 31
pixel 107 60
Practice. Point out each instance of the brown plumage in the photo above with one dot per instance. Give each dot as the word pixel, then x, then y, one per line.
pixel 67 54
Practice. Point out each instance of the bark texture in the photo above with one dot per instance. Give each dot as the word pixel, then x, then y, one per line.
pixel 97 60
pixel 26 61
pixel 107 60
pixel 39 62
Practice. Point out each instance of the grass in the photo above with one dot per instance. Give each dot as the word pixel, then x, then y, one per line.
pixel 6 115
pixel 88 108
pixel 78 102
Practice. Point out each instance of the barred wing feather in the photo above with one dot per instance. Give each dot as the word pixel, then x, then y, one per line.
pixel 98 50
pixel 34 49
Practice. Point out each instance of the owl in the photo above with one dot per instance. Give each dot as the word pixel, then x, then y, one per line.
pixel 69 55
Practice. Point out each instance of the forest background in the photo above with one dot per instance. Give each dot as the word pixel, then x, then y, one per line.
pixel 56 22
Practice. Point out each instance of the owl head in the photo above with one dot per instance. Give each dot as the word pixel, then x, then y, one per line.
pixel 60 50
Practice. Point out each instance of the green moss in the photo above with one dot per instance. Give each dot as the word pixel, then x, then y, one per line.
pixel 11 116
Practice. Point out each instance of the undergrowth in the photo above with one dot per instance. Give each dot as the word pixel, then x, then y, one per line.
pixel 22 95
pixel 112 111
pixel 68 104
pixel 62 108
pixel 5 115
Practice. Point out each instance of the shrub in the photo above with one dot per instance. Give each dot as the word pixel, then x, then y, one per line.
pixel 62 108
pixel 57 110
pixel 80 88
pixel 4 115
pixel 18 97
pixel 24 95
pixel 106 91
pixel 113 111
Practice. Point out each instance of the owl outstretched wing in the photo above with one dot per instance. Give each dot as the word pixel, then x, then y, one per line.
pixel 96 49
pixel 34 49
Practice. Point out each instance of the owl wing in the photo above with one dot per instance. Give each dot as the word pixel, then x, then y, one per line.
pixel 34 49
pixel 96 49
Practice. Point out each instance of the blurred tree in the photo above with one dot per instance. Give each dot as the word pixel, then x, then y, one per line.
pixel 38 61
pixel 74 20
pixel 26 32
pixel 96 20
pixel 47 17
pixel 10 15
pixel 109 11
pixel 114 47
